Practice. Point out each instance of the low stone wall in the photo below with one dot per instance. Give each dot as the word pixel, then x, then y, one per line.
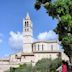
pixel 5 67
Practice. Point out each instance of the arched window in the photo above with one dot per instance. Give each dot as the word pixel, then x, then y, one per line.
pixel 42 47
pixel 25 24
pixel 16 56
pixel 32 47
pixel 38 47
pixel 51 47
pixel 25 30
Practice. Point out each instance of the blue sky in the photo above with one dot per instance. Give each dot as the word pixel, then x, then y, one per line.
pixel 12 13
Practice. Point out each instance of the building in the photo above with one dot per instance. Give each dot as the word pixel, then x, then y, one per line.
pixel 32 51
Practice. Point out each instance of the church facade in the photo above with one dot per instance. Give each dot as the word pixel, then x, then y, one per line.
pixel 32 51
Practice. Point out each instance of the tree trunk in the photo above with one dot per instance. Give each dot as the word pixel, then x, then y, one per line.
pixel 70 59
pixel 70 66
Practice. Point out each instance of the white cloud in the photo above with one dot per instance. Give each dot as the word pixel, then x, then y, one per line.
pixel 51 35
pixel 16 40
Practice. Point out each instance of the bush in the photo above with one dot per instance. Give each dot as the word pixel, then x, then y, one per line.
pixel 43 65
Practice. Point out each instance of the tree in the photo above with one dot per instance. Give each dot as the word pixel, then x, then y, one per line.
pixel 67 44
pixel 47 65
pixel 21 68
pixel 43 65
pixel 61 10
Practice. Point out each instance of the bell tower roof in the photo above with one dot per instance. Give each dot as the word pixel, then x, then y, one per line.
pixel 27 16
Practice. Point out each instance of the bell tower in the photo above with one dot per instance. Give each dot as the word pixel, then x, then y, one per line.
pixel 27 34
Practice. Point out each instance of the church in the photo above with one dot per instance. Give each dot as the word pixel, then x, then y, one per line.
pixel 32 51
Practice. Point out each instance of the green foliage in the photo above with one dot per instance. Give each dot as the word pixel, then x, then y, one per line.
pixel 67 44
pixel 47 65
pixel 43 1
pixel 24 68
pixel 62 10
pixel 43 65
pixel 37 5
pixel 7 71
pixel 12 69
